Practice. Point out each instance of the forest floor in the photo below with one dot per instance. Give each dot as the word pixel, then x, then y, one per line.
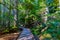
pixel 10 36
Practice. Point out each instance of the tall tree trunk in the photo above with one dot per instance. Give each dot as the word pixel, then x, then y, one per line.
pixel 0 14
pixel 8 25
pixel 3 10
pixel 15 18
pixel 44 20
pixel 16 14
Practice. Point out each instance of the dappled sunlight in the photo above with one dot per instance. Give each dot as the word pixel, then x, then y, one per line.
pixel 44 36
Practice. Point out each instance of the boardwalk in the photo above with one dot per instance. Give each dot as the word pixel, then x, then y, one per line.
pixel 26 35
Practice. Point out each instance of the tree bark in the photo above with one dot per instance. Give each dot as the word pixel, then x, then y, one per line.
pixel 16 15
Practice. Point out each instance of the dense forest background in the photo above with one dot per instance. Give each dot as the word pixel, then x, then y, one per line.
pixel 43 16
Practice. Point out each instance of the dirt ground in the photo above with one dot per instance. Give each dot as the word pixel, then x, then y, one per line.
pixel 9 36
pixel 12 36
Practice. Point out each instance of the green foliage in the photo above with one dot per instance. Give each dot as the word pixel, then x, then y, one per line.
pixel 29 13
pixel 52 5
